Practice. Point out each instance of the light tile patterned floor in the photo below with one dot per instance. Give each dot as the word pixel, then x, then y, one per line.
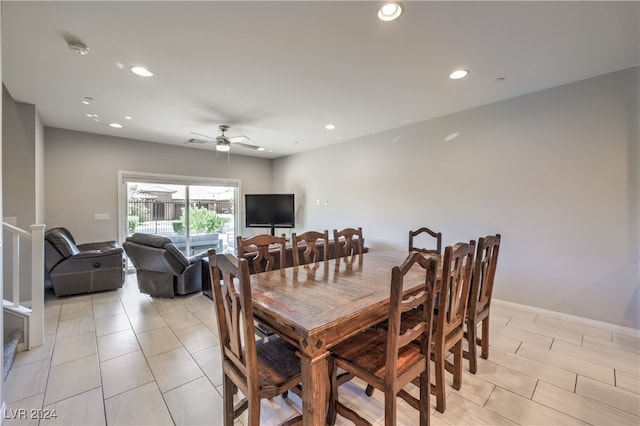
pixel 124 358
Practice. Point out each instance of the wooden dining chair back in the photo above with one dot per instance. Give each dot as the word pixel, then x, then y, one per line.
pixel 418 234
pixel 457 264
pixel 265 247
pixel 316 247
pixel 480 298
pixel 348 241
pixel 259 369
pixel 390 359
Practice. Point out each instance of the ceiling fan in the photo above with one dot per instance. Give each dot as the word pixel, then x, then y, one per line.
pixel 223 142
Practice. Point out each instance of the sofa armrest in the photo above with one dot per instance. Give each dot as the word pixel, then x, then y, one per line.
pixel 98 253
pixel 101 245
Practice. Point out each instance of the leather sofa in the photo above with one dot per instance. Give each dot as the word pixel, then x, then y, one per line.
pixel 81 268
pixel 161 268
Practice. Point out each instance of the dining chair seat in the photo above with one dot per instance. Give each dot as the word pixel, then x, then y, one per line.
pixel 277 364
pixel 370 351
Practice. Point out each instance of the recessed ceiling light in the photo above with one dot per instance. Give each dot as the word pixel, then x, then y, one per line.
pixel 89 115
pixel 261 149
pixel 127 117
pixel 141 71
pixel 87 100
pixel 389 12
pixel 458 74
pixel 116 125
pixel 451 136
pixel 330 126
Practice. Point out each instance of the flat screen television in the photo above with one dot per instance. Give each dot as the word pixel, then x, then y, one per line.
pixel 270 211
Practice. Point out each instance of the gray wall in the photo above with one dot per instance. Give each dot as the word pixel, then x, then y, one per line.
pixel 555 172
pixel 18 160
pixel 82 176
pixel 22 189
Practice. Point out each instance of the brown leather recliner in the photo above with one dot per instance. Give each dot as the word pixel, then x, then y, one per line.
pixel 162 270
pixel 81 268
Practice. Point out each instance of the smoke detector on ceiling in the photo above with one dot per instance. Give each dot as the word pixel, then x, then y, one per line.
pixel 79 48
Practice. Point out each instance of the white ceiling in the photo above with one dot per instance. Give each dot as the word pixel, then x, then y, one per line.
pixel 279 71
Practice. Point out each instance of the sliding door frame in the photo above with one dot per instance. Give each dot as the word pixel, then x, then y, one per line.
pixel 125 176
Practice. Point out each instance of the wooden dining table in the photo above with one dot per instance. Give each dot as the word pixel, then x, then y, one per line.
pixel 316 306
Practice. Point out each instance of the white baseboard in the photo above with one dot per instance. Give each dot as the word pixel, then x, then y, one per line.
pixel 627 331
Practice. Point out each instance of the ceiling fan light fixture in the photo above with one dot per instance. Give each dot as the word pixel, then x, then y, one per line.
pixel 222 147
pixel 389 11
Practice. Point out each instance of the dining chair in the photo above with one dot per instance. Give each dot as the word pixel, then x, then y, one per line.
pixel 260 369
pixel 480 298
pixel 423 230
pixel 312 253
pixel 390 359
pixel 353 241
pixel 449 318
pixel 448 335
pixel 264 245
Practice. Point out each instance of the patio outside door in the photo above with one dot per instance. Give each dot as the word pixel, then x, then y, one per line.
pixel 195 217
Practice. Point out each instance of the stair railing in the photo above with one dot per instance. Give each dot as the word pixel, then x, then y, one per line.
pixel 35 312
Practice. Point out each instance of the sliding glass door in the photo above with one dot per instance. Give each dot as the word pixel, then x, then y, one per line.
pixel 196 214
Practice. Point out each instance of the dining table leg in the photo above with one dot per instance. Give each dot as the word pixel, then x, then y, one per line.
pixel 315 388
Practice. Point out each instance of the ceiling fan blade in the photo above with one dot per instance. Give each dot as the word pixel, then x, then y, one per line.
pixel 200 134
pixel 239 138
pixel 245 145
pixel 198 141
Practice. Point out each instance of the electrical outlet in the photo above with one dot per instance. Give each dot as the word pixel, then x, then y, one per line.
pixel 101 216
